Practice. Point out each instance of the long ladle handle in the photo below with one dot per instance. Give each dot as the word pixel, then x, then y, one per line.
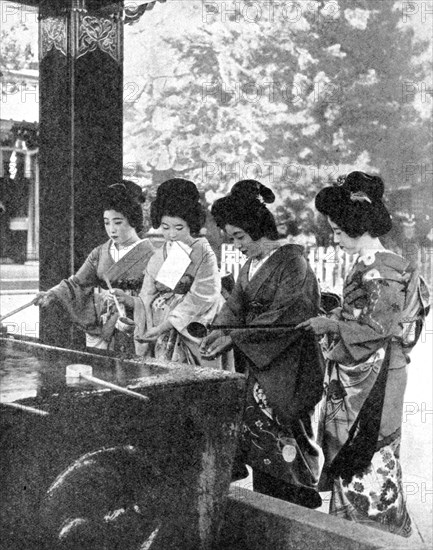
pixel 247 327
pixel 116 301
pixel 25 306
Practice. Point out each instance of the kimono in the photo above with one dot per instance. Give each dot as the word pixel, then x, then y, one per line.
pixel 360 424
pixel 196 298
pixel 84 295
pixel 284 367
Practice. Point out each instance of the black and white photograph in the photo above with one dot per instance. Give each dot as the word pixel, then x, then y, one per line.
pixel 216 241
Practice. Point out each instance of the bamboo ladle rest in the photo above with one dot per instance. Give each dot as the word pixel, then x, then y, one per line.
pixel 77 372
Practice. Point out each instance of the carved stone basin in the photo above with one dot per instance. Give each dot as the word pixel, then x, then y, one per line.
pixel 88 467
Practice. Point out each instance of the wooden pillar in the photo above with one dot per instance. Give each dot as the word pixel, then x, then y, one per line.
pixel 81 79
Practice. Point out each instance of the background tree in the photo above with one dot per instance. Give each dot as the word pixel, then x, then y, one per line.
pixel 292 97
pixel 16 52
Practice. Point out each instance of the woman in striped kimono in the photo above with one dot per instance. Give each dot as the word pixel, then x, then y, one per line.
pixel 122 259
pixel 367 351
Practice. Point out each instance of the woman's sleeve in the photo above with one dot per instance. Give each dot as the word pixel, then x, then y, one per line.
pixel 76 293
pixel 366 328
pixel 205 293
pixel 143 300
pixel 87 274
pixel 85 277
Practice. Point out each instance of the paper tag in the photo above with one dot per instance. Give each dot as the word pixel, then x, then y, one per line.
pixel 175 264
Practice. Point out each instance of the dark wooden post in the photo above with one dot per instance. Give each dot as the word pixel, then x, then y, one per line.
pixel 81 80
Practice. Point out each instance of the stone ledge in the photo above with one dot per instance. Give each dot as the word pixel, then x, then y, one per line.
pixel 254 521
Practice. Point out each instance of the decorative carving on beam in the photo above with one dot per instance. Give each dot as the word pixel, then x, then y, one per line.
pixel 98 32
pixel 88 30
pixel 53 34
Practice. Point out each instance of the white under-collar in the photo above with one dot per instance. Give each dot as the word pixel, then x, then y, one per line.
pixel 118 253
pixel 256 264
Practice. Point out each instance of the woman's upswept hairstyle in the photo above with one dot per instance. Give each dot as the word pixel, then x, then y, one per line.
pixel 127 198
pixel 244 207
pixel 178 198
pixel 355 205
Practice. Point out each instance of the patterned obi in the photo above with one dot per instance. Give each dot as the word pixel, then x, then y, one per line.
pixel 128 285
pixel 182 287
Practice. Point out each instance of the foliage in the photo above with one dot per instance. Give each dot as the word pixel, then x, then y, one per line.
pixel 292 99
pixel 15 48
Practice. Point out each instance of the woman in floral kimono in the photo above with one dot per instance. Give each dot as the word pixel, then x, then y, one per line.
pixel 284 367
pixel 182 283
pixel 122 259
pixel 369 340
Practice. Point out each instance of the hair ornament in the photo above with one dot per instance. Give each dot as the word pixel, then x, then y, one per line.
pixel 340 180
pixel 359 196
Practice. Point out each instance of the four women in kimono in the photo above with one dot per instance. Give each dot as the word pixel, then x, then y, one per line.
pixel 274 310
pixel 122 259
pixel 368 342
pixel 275 287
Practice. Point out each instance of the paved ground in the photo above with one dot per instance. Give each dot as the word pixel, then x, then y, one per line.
pixel 417 439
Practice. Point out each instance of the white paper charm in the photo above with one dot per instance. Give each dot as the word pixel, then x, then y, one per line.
pixel 175 264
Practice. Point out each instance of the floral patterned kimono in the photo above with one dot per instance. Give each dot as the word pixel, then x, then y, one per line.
pixel 196 298
pixel 84 295
pixel 285 368
pixel 360 427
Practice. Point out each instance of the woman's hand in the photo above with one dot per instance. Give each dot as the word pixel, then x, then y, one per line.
pixel 122 297
pixel 153 333
pixel 320 325
pixel 216 343
pixel 44 298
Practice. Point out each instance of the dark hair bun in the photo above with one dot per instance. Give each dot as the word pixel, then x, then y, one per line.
pixel 372 186
pixel 178 198
pixel 329 200
pixel 252 189
pixel 127 190
pixel 244 207
pixel 183 190
pixel 356 206
pixel 127 198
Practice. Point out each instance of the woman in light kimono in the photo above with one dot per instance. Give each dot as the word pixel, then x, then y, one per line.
pixel 182 283
pixel 368 343
pixel 284 367
pixel 123 259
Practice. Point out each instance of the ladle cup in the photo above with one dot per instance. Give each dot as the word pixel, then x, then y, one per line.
pixel 126 325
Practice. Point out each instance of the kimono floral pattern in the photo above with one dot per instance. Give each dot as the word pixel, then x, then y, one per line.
pixel 271 444
pixel 375 497
pixel 369 341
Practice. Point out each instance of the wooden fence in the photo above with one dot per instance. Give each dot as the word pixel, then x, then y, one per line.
pixel 330 265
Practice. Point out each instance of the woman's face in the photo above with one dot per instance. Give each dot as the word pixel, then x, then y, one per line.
pixel 243 242
pixel 117 227
pixel 175 229
pixel 350 245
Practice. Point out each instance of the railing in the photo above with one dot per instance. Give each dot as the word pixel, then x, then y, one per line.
pixel 330 265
